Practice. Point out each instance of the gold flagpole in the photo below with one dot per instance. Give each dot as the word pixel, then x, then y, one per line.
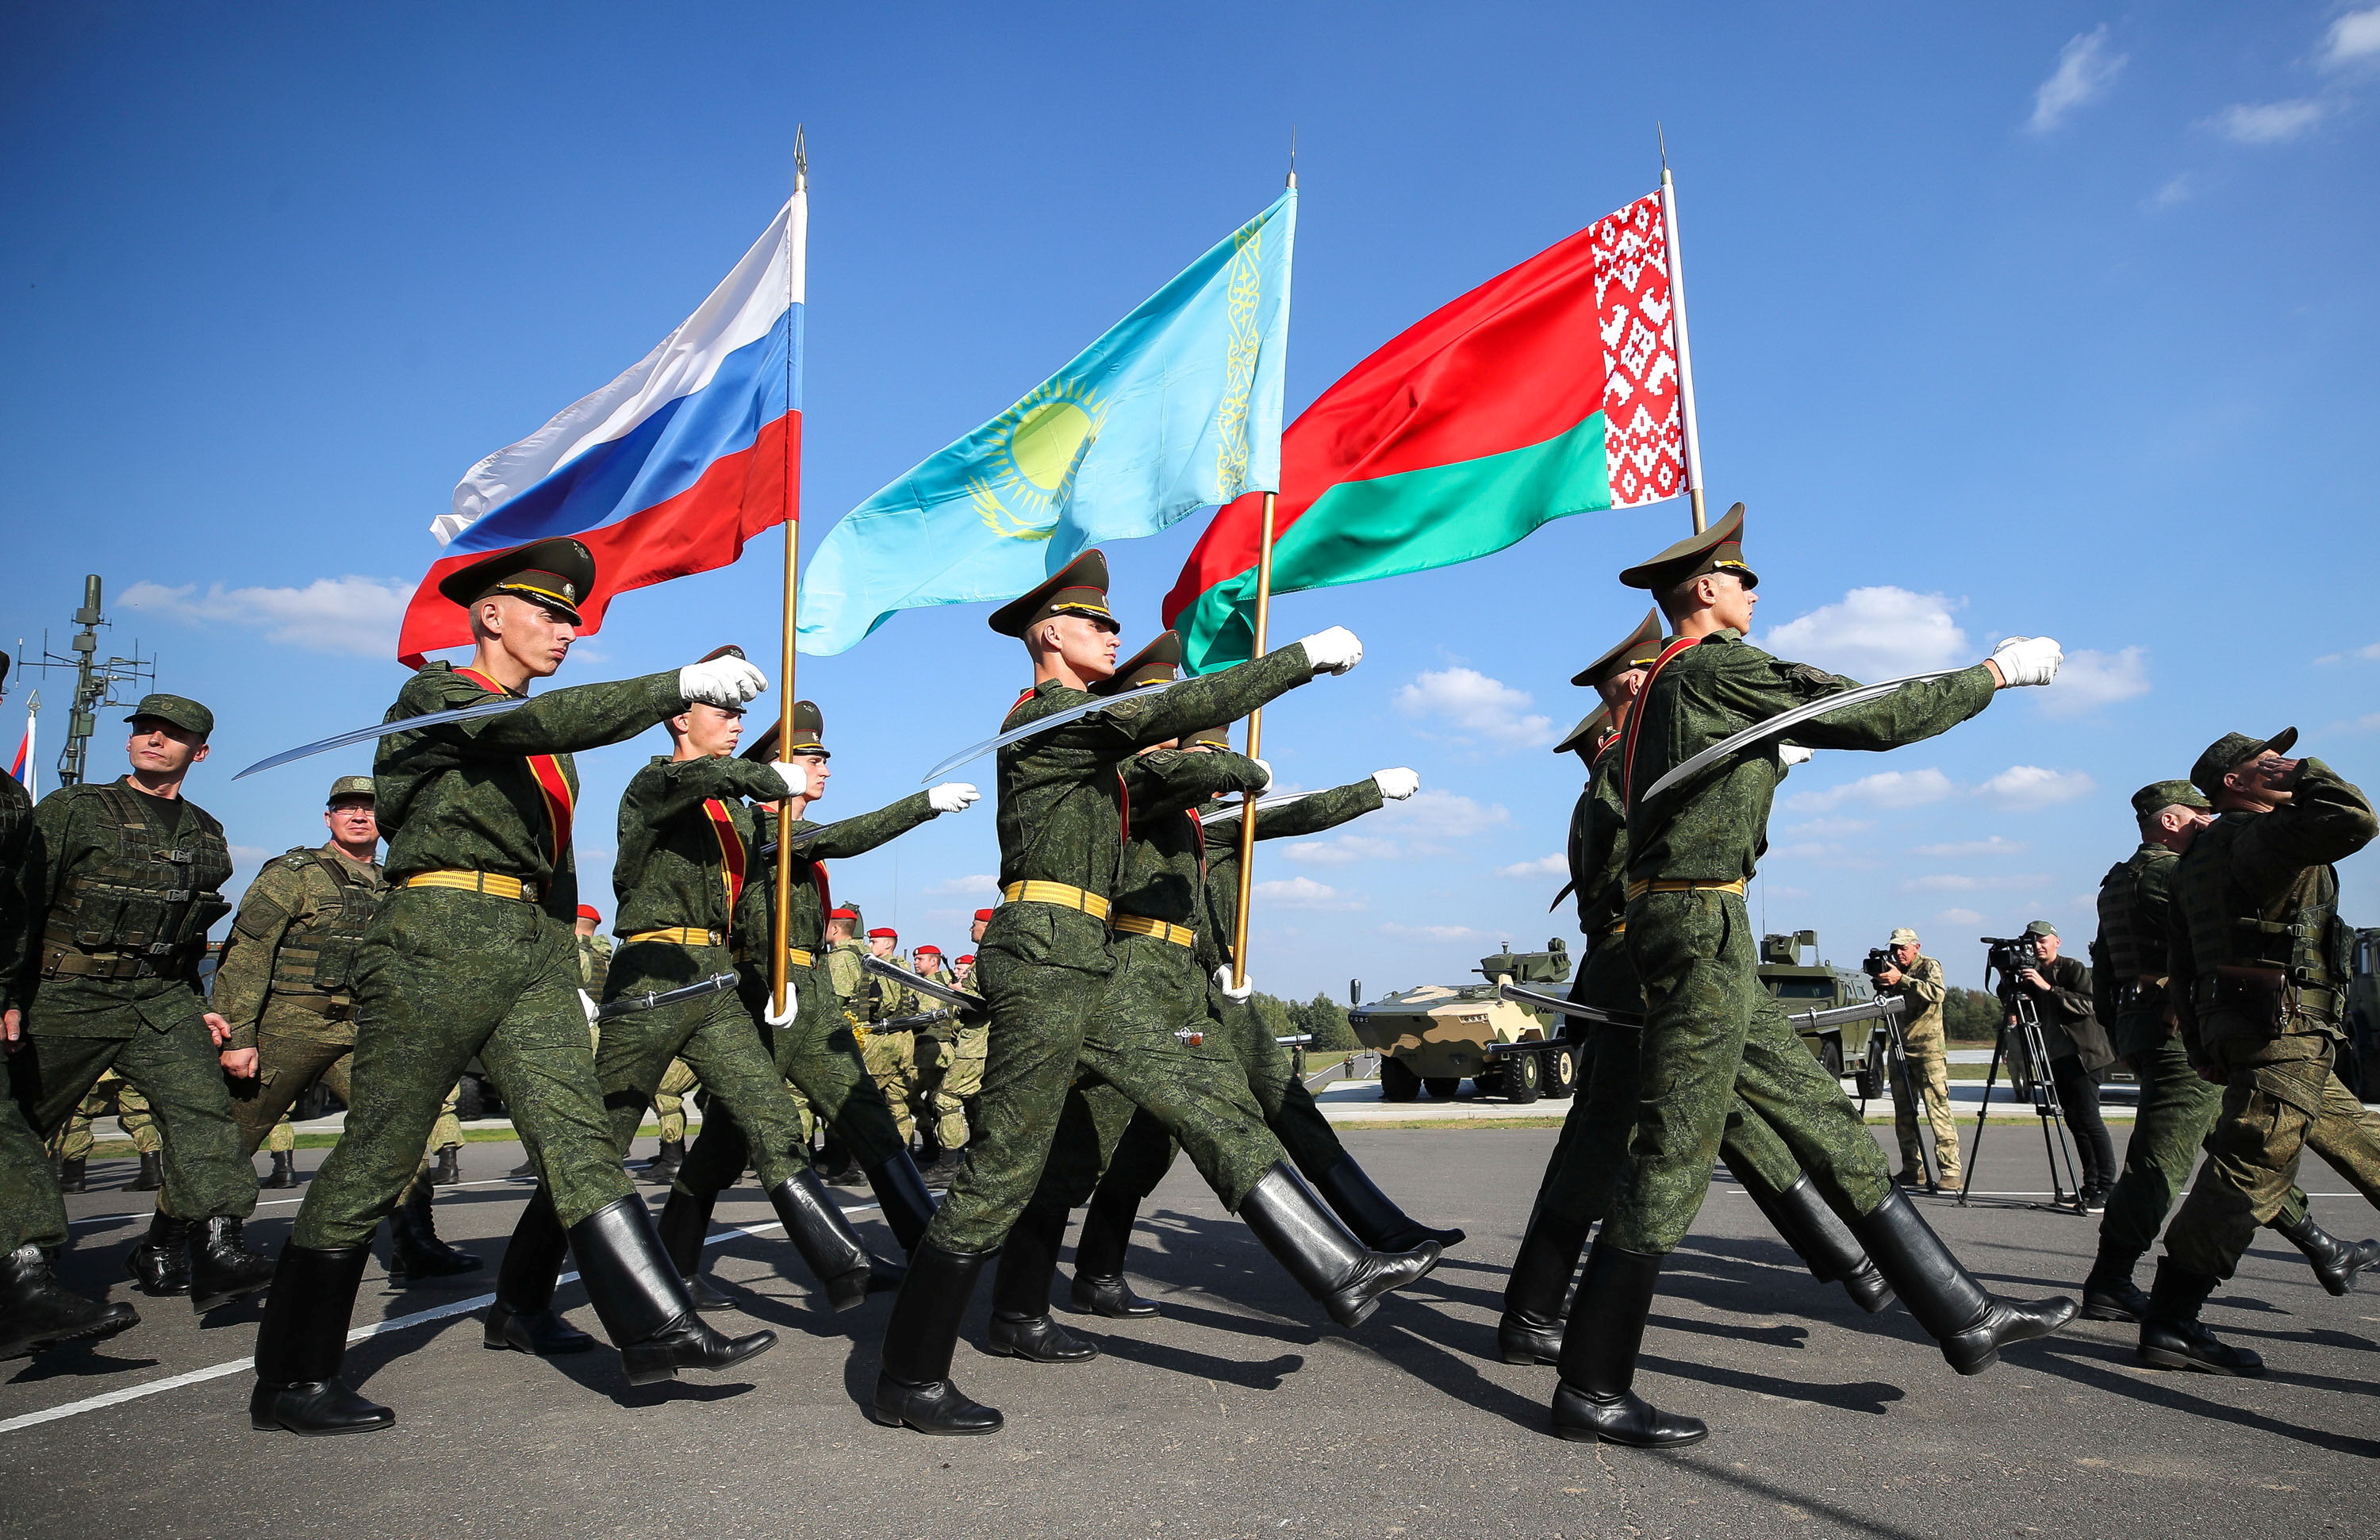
pixel 784 872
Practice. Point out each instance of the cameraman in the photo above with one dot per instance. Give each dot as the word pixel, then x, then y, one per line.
pixel 1917 979
pixel 2060 988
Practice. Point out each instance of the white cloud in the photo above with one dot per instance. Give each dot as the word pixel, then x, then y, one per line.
pixel 959 887
pixel 1304 893
pixel 1432 814
pixel 1876 633
pixel 2022 787
pixel 1960 917
pixel 2181 188
pixel 2089 680
pixel 2084 69
pixel 2365 653
pixel 1468 700
pixel 1956 882
pixel 2354 39
pixel 336 614
pixel 1544 866
pixel 1433 932
pixel 250 854
pixel 1831 829
pixel 2267 122
pixel 1993 846
pixel 1892 789
pixel 1345 849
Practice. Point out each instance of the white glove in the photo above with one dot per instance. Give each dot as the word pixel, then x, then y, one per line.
pixel 769 1012
pixel 586 1003
pixel 1267 785
pixel 952 796
pixel 1332 651
pixel 1794 754
pixel 721 682
pixel 1237 995
pixel 2028 660
pixel 796 780
pixel 1396 784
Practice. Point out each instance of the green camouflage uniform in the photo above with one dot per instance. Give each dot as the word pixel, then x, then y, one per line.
pixel 594 965
pixel 31 1211
pixel 2177 1106
pixel 1929 1067
pixel 818 1052
pixel 126 887
pixel 2257 900
pixel 670 873
pixel 890 1056
pixel 74 1141
pixel 446 974
pixel 1712 1032
pixel 1046 967
pixel 943 1081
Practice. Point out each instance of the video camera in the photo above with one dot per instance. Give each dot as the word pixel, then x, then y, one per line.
pixel 1878 961
pixel 2010 955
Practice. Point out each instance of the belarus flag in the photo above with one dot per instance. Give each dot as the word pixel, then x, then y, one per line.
pixel 665 471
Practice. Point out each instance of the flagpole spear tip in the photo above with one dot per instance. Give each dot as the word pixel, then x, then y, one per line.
pixel 1293 154
pixel 1661 138
pixel 801 156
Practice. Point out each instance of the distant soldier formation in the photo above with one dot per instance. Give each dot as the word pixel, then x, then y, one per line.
pixel 1098 1024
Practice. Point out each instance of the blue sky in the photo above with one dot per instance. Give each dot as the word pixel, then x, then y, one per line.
pixel 2008 320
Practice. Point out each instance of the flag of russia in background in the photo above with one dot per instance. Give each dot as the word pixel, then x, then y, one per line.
pixel 665 471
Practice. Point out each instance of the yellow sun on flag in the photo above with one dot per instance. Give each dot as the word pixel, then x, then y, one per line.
pixel 1039 445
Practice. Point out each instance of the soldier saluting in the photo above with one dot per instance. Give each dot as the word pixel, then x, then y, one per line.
pixel 473 954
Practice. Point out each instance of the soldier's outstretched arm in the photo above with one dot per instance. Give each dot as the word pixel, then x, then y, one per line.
pixel 1759 686
pixel 1222 696
pixel 688 783
pixel 1171 781
pixel 1321 811
pixel 565 720
pixel 862 832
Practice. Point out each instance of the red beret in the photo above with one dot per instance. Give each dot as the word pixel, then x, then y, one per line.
pixel 983 914
pixel 588 912
pixel 968 958
pixel 929 947
pixel 844 915
pixel 885 931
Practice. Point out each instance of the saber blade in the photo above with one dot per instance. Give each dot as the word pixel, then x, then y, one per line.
pixel 629 1005
pixel 1568 1008
pixel 926 987
pixel 1039 725
pixel 388 729
pixel 1860 696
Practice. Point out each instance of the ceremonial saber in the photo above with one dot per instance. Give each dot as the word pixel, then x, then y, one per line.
pixel 798 232
pixel 629 1005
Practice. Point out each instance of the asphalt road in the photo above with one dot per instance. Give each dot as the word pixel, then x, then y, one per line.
pixel 1240 1411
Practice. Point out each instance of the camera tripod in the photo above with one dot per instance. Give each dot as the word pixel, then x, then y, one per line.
pixel 2056 1146
pixel 1911 1095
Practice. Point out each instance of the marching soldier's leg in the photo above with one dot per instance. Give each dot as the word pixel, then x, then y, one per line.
pixel 887 1057
pixel 669 1105
pixel 1944 1123
pixel 140 1124
pixel 281 1144
pixel 72 1144
pixel 58 1079
pixel 415 1252
pixel 962 1082
pixel 209 1182
pixel 1094 1121
pixel 1142 1158
pixel 1758 1158
pixel 1588 1162
pixel 446 1139
pixel 35 1313
pixel 2176 1110
pixel 819 1054
pixel 2348 1139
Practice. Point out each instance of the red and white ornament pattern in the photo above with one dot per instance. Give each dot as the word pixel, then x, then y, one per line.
pixel 1645 441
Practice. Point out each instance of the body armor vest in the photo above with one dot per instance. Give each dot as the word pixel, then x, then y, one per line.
pixel 142 898
pixel 2134 900
pixel 320 958
pixel 2295 940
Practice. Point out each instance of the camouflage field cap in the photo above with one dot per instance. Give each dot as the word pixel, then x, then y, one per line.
pixel 1587 735
pixel 1717 548
pixel 557 575
pixel 1643 646
pixel 1902 936
pixel 1155 665
pixel 2230 750
pixel 1080 587
pixel 350 788
pixel 2041 928
pixel 809 727
pixel 180 710
pixel 2158 796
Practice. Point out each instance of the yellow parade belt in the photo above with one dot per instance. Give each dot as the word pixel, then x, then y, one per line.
pixel 1140 924
pixel 684 936
pixel 1620 929
pixel 1058 894
pixel 494 883
pixel 1681 885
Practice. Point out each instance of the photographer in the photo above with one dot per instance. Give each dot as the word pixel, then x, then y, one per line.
pixel 2060 988
pixel 1917 979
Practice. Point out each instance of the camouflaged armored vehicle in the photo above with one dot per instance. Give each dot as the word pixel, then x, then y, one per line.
pixel 1802 987
pixel 1434 1037
pixel 2359 1060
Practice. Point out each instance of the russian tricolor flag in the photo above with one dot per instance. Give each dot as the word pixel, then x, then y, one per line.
pixel 665 471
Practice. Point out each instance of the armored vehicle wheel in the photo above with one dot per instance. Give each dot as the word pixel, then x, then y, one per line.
pixel 1831 1054
pixel 1398 1083
pixel 1523 1077
pixel 1441 1087
pixel 1562 1072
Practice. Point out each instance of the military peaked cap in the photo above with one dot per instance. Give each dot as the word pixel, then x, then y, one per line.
pixel 2158 796
pixel 2232 749
pixel 1643 646
pixel 1080 587
pixel 1155 665
pixel 809 726
pixel 554 574
pixel 180 710
pixel 1587 733
pixel 1717 548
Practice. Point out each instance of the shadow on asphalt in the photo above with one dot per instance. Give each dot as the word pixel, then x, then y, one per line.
pixel 2085 1361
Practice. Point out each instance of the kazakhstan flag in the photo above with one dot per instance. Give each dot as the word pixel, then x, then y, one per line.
pixel 1176 408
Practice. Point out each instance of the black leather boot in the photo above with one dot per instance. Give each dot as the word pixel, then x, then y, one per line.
pixel 682 1227
pixel 1020 1327
pixel 1971 1324
pixel 2335 1262
pixel 643 1306
pixel 414 1245
pixel 1377 1221
pixel 913 1386
pixel 2110 1294
pixel 2171 1336
pixel 1100 1288
pixel 35 1313
pixel 663 1166
pixel 223 1268
pixel 523 1318
pixel 901 1193
pixel 302 1343
pixel 283 1172
pixel 1802 1216
pixel 160 1264
pixel 74 1176
pixel 448 1172
pixel 1329 1263
pixel 816 1225
pixel 1531 1329
pixel 152 1178
pixel 1595 1398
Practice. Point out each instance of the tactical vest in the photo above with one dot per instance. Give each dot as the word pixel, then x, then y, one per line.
pixel 2133 931
pixel 320 958
pixel 2278 961
pixel 142 901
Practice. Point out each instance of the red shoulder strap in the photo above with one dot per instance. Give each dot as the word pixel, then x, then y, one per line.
pixel 1636 719
pixel 552 782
